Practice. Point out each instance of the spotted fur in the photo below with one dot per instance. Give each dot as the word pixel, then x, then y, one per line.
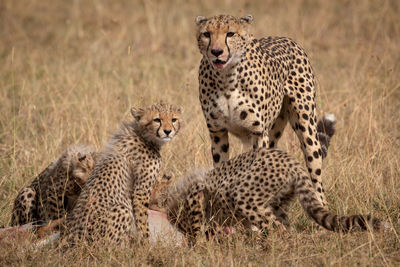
pixel 252 87
pixel 54 191
pixel 252 189
pixel 119 188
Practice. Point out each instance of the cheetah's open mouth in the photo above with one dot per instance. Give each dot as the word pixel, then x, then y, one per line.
pixel 219 64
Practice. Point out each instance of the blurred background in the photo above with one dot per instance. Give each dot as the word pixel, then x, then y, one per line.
pixel 71 70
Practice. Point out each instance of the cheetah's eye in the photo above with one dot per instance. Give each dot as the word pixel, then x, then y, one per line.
pixel 206 34
pixel 174 119
pixel 157 120
pixel 230 34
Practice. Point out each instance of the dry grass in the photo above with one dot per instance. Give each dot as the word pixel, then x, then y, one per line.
pixel 70 71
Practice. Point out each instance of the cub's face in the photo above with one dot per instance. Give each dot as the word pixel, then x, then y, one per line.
pixel 74 167
pixel 223 38
pixel 83 166
pixel 158 123
pixel 159 193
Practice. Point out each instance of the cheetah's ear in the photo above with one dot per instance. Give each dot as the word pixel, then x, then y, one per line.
pixel 248 19
pixel 81 156
pixel 179 109
pixel 200 19
pixel 137 113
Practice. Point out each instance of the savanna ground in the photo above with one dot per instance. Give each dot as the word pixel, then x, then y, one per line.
pixel 70 71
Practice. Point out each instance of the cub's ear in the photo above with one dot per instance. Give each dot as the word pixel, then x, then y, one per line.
pixel 81 156
pixel 179 109
pixel 200 19
pixel 137 113
pixel 248 19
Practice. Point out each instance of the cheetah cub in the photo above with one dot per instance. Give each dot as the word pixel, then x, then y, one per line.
pixel 54 191
pixel 117 193
pixel 252 189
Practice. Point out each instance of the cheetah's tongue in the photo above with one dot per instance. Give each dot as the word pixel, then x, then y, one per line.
pixel 219 66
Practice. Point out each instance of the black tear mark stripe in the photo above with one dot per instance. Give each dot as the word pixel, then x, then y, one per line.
pixel 158 130
pixel 227 46
pixel 176 129
pixel 209 43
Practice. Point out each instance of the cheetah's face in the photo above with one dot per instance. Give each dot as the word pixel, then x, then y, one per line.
pixel 159 123
pixel 223 38
pixel 83 167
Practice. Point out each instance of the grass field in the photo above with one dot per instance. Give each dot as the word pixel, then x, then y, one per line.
pixel 71 70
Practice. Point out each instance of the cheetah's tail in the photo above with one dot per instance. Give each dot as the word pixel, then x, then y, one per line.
pixel 309 201
pixel 326 128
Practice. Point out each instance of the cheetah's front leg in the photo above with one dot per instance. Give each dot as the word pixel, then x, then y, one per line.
pixel 260 141
pixel 140 206
pixel 141 201
pixel 219 146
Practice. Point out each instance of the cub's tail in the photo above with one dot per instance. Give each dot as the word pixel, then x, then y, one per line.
pixel 309 201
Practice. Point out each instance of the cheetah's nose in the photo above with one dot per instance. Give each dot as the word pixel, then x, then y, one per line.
pixel 217 52
pixel 167 132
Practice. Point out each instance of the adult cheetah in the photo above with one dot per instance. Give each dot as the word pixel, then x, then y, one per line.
pixel 54 191
pixel 119 187
pixel 252 189
pixel 251 87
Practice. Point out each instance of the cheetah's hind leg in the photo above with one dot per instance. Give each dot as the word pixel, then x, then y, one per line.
pixel 116 224
pixel 279 125
pixel 110 224
pixel 24 207
pixel 326 128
